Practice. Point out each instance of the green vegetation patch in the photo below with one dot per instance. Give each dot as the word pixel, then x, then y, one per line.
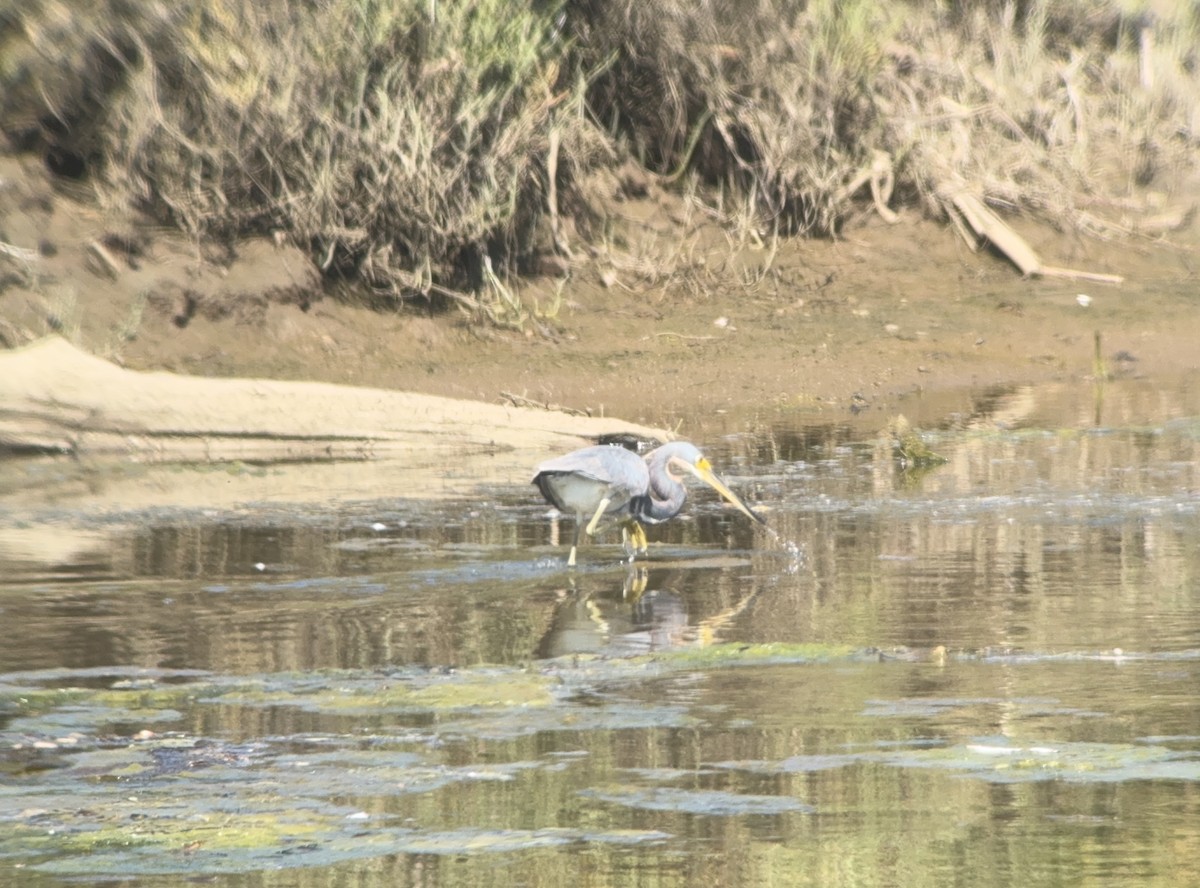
pixel 16 702
pixel 737 654
pixel 203 806
pixel 416 690
pixel 500 690
pixel 331 780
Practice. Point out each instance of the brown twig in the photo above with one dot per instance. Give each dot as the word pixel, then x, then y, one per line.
pixel 987 224
pixel 683 336
pixel 105 257
pixel 521 401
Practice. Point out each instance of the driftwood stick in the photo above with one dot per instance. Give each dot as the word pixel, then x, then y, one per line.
pixel 22 253
pixel 1077 275
pixel 108 262
pixel 987 224
pixel 960 225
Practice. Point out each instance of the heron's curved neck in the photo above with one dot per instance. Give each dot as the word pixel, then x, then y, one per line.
pixel 664 498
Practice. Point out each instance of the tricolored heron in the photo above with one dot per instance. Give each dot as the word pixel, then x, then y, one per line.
pixel 611 482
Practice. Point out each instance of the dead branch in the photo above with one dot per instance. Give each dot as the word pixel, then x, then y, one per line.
pixel 881 178
pixel 22 253
pixel 991 227
pixel 1077 275
pixel 104 256
pixel 522 401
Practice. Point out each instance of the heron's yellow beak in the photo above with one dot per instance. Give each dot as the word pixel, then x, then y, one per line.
pixel 702 469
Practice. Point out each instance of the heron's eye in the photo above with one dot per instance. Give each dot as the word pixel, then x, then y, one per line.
pixel 703 463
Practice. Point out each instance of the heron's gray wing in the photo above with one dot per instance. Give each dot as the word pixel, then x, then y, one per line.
pixel 622 469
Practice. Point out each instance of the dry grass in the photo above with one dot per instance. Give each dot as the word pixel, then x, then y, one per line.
pixel 1042 106
pixel 1047 113
pixel 775 99
pixel 402 142
pixel 410 143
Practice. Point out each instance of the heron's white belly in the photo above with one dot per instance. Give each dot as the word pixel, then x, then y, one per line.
pixel 582 495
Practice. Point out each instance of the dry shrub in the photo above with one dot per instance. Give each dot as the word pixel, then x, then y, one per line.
pixel 1038 105
pixel 1041 107
pixel 400 140
pixel 61 62
pixel 411 142
pixel 775 98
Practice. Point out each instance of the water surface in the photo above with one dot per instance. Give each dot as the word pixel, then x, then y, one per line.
pixel 985 673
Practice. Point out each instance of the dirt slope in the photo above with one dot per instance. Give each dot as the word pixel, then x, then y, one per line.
pixel 676 316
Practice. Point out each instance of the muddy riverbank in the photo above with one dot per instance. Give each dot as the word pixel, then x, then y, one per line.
pixel 683 316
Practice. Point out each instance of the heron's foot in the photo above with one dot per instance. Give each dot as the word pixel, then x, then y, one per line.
pixel 637 535
pixel 571 557
pixel 633 540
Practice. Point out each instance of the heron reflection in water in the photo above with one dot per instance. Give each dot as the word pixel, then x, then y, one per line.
pixel 610 483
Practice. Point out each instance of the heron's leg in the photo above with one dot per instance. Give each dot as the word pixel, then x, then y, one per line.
pixel 640 543
pixel 600 509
